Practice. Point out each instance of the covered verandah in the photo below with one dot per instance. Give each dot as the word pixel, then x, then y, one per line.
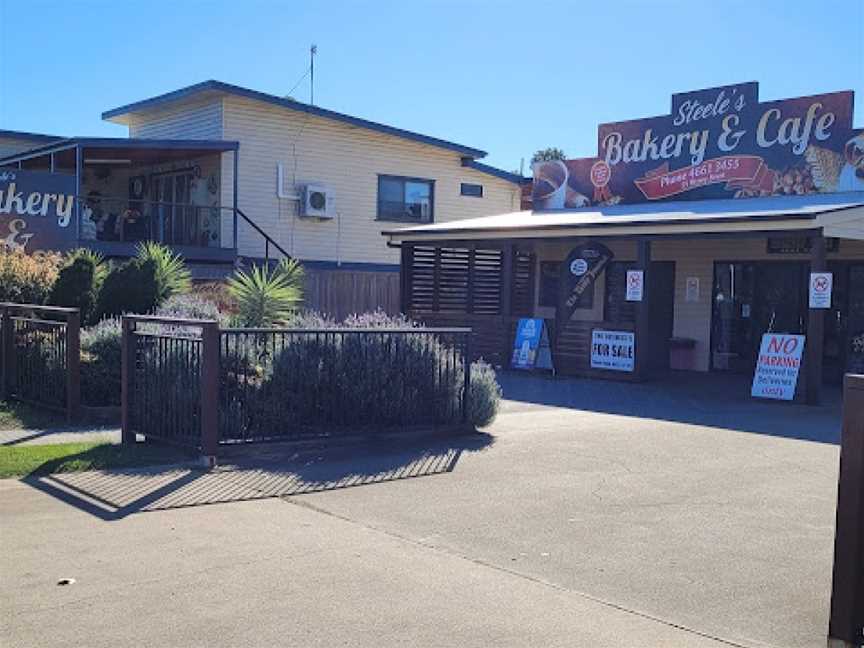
pixel 182 193
pixel 488 272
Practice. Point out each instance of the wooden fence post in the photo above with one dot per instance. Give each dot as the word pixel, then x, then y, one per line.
pixel 7 350
pixel 73 364
pixel 127 372
pixel 846 625
pixel 210 392
pixel 466 390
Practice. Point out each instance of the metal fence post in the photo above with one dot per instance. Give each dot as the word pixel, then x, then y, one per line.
pixel 127 372
pixel 209 391
pixel 73 364
pixel 846 625
pixel 466 391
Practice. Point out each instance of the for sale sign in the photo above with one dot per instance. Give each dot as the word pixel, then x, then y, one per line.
pixel 613 350
pixel 777 366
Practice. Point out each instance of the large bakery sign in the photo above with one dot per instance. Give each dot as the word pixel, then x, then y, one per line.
pixel 36 210
pixel 716 143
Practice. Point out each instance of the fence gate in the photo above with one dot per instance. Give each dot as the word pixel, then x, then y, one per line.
pixel 40 350
pixel 170 379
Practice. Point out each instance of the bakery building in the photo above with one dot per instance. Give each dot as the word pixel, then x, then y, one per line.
pixel 715 238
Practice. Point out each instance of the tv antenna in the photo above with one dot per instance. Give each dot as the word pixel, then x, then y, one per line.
pixel 313 50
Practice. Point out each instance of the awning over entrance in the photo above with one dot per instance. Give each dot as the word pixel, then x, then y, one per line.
pixel 839 214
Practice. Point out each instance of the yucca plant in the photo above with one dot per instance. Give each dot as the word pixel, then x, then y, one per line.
pixel 267 296
pixel 172 275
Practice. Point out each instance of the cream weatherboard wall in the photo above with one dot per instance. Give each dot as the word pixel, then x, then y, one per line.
pixel 344 158
pixel 693 258
pixel 347 160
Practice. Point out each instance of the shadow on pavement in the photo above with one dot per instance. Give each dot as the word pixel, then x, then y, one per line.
pixel 256 472
pixel 708 399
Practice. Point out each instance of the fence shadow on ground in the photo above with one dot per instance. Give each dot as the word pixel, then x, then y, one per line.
pixel 261 472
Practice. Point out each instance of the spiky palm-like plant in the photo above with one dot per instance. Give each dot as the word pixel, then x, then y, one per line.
pixel 172 275
pixel 267 296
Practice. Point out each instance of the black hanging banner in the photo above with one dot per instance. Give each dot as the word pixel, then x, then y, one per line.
pixel 578 274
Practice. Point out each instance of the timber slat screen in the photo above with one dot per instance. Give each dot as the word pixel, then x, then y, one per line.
pixel 453 285
pixel 40 356
pixel 294 383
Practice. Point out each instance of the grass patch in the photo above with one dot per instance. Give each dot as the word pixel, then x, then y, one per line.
pixel 25 460
pixel 20 416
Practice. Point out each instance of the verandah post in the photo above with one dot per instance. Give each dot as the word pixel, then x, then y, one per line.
pixel 210 391
pixel 643 255
pixel 815 327
pixel 73 364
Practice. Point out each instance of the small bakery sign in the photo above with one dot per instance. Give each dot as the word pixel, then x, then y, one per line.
pixel 36 210
pixel 716 143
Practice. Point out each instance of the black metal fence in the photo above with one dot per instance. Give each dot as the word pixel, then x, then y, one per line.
pixel 190 383
pixel 292 384
pixel 846 626
pixel 40 350
pixel 165 374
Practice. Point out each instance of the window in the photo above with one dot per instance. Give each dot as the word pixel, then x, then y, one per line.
pixel 618 309
pixel 472 190
pixel 405 199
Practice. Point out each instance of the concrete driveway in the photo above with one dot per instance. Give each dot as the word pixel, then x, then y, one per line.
pixel 594 514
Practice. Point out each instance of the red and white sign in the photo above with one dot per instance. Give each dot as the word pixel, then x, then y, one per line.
pixel 635 285
pixel 821 284
pixel 777 366
pixel 737 171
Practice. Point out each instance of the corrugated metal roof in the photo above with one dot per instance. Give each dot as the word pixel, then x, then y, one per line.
pixel 671 213
pixel 220 88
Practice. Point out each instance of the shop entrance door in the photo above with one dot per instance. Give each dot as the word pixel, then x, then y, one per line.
pixel 749 300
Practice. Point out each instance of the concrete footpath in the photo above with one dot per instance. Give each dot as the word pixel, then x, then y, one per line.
pixel 575 523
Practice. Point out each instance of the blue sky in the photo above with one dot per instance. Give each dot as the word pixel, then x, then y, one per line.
pixel 506 77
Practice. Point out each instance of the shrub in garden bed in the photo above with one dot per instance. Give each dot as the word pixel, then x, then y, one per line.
pixel 101 355
pixel 27 278
pixel 79 281
pixel 349 380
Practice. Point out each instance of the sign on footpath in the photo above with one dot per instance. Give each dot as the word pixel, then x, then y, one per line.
pixel 777 366
pixel 531 348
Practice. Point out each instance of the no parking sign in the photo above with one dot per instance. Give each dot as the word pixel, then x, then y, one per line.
pixel 821 284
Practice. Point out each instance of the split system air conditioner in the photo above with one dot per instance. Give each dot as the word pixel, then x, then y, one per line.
pixel 317 202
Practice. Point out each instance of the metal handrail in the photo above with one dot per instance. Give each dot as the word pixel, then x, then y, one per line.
pixel 268 240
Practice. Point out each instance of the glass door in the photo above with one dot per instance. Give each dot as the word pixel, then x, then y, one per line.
pixel 751 299
pixel 732 343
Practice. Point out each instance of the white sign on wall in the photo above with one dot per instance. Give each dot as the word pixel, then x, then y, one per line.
pixel 613 350
pixel 635 285
pixel 821 284
pixel 692 289
pixel 777 366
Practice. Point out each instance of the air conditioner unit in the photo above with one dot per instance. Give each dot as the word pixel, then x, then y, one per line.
pixel 317 201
